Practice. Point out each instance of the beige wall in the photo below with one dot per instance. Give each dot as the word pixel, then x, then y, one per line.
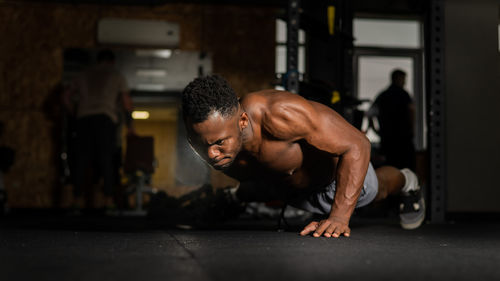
pixel 164 133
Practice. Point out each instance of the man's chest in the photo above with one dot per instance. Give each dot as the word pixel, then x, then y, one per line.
pixel 280 157
pixel 275 161
pixel 292 164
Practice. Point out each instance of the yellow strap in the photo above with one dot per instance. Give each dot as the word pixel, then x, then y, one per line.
pixel 335 97
pixel 331 19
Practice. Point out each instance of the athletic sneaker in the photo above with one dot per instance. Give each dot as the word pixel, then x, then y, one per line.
pixel 412 207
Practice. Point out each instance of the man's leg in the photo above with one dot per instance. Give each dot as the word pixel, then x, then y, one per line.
pixel 390 182
pixel 404 183
pixel 106 135
pixel 83 153
pixel 400 154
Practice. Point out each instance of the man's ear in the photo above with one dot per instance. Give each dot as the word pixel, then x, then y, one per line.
pixel 243 122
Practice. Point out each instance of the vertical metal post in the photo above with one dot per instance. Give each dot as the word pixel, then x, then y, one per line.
pixel 437 138
pixel 139 190
pixel 292 46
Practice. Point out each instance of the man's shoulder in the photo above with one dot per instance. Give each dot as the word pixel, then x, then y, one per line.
pixel 281 114
pixel 272 102
pixel 263 96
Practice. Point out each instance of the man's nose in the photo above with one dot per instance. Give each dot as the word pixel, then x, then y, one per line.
pixel 213 152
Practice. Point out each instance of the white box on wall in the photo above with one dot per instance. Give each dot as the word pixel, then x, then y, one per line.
pixel 153 33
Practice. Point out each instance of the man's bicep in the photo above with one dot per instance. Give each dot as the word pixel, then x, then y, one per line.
pixel 322 127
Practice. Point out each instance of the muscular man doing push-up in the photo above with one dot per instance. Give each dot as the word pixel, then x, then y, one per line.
pixel 280 145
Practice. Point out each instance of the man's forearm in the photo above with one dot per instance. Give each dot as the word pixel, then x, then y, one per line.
pixel 351 172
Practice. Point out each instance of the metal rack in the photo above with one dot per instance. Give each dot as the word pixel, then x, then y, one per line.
pixel 436 92
pixel 292 46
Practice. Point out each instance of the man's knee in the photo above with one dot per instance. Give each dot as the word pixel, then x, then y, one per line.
pixel 382 193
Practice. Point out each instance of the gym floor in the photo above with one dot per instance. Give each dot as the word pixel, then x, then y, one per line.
pixel 53 247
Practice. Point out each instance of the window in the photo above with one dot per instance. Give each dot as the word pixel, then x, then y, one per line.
pixel 280 64
pixel 387 33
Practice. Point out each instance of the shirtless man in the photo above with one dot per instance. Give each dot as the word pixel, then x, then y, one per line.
pixel 299 151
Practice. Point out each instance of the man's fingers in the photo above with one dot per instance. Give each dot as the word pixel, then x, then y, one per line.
pixel 309 228
pixel 347 232
pixel 335 231
pixel 327 229
pixel 330 230
pixel 323 225
pixel 342 230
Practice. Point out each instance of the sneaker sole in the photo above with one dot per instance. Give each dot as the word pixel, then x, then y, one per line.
pixel 418 223
pixel 415 225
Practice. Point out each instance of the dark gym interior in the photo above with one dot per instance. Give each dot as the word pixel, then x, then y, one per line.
pixel 168 216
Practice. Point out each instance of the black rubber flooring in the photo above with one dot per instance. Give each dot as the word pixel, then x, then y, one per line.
pixel 58 248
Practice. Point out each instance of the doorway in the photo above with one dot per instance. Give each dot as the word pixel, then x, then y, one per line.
pixel 382 45
pixel 372 70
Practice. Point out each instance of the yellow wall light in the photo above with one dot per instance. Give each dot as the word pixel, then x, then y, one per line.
pixel 140 114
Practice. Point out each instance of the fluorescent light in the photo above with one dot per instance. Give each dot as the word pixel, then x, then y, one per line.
pixel 164 53
pixel 140 114
pixel 151 72
pixel 150 87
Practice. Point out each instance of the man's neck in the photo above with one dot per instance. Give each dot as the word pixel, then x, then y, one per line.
pixel 251 137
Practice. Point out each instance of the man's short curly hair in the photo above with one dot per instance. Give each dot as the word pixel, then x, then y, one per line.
pixel 206 95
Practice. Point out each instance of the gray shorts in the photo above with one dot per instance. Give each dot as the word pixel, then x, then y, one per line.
pixel 321 201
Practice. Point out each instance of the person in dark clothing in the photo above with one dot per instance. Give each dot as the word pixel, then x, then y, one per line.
pixel 99 92
pixel 395 112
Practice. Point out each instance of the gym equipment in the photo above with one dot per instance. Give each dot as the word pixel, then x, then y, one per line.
pixel 139 166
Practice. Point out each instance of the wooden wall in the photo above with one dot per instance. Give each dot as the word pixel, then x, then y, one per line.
pixel 33 37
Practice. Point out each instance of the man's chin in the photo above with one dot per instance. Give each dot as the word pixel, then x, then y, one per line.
pixel 223 166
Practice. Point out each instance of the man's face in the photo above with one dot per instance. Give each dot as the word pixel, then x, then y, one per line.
pixel 401 81
pixel 217 140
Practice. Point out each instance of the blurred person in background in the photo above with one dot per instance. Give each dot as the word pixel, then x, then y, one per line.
pixel 95 97
pixel 395 112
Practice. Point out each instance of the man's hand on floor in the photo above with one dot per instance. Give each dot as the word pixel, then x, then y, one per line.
pixel 329 228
